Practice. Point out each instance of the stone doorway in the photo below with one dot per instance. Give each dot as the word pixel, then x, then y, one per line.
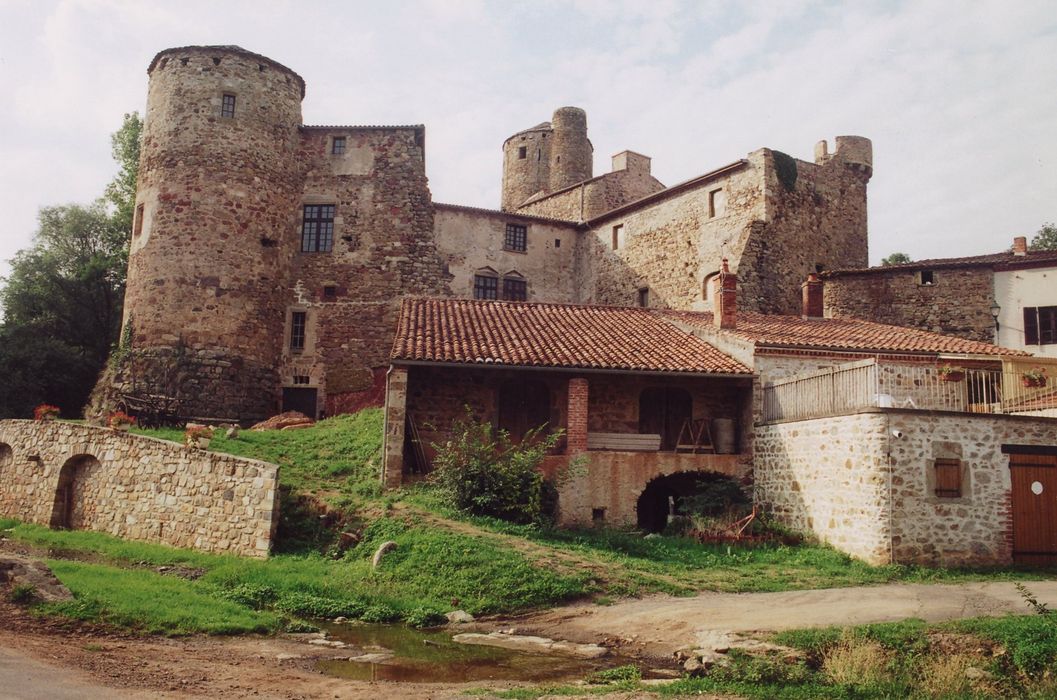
pixel 68 512
pixel 302 399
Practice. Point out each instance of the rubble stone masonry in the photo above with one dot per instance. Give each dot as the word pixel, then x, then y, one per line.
pixel 136 488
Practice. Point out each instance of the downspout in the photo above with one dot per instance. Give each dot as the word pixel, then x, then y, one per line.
pixel 385 428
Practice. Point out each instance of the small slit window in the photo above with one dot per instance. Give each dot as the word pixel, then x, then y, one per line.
pixel 948 478
pixel 298 321
pixel 227 106
pixel 644 297
pixel 137 226
pixel 522 152
pixel 337 146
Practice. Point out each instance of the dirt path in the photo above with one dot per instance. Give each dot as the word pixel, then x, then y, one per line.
pixel 661 625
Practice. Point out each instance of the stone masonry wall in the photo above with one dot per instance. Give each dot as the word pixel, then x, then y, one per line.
pixel 966 531
pixel 596 196
pixel 470 240
pixel 383 248
pixel 138 488
pixel 828 477
pixel 957 303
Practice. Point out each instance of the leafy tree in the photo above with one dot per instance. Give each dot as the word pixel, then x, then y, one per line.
pixel 896 259
pixel 1046 238
pixel 62 300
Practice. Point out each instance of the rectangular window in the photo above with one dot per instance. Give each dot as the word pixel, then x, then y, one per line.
pixel 618 236
pixel 137 226
pixel 717 203
pixel 330 292
pixel 298 320
pixel 317 228
pixel 515 289
pixel 485 287
pixel 644 297
pixel 948 478
pixel 927 278
pixel 557 243
pixel 227 107
pixel 1040 325
pixel 301 379
pixel 522 152
pixel 337 147
pixel 515 238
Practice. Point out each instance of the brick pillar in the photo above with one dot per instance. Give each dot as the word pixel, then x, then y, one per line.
pixel 576 429
pixel 725 314
pixel 811 291
pixel 395 418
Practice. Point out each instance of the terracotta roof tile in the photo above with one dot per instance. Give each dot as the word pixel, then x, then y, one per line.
pixel 839 334
pixel 550 335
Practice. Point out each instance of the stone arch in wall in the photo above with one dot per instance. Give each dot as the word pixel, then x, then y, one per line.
pixel 7 457
pixel 664 495
pixel 70 509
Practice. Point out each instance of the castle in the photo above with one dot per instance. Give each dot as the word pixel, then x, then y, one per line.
pixel 271 256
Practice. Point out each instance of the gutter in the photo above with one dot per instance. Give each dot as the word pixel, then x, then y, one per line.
pixel 569 370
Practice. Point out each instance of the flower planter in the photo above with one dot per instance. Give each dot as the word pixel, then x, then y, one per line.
pixel 1033 383
pixel 952 377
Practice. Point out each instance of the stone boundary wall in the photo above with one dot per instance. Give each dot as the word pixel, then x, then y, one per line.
pixel 137 488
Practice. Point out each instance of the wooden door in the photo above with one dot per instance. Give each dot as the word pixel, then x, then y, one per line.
pixel 1034 480
pixel 301 399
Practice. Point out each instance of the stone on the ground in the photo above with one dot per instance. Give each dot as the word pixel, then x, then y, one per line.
pixel 341 618
pixel 328 643
pixel 693 666
pixel 232 433
pixel 283 420
pixel 459 617
pixel 23 571
pixel 383 549
pixel 288 657
pixel 372 658
pixel 532 645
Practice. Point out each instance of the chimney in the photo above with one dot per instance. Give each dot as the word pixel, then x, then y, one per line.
pixel 725 314
pixel 811 291
pixel 1020 245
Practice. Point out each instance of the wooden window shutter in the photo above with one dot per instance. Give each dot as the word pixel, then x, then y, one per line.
pixel 948 478
pixel 1031 325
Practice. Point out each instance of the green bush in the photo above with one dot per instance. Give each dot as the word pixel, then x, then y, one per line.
pixel 424 616
pixel 250 595
pixel 308 605
pixel 380 613
pixel 481 471
pixel 23 594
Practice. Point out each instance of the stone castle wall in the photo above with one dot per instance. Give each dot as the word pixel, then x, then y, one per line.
pixel 137 488
pixel 958 302
pixel 595 196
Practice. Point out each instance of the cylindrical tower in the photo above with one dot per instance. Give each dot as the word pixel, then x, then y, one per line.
pixel 572 155
pixel 526 165
pixel 214 233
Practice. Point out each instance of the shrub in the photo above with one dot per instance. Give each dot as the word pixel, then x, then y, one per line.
pixel 424 616
pixel 308 605
pixel 252 596
pixel 480 471
pixel 620 674
pixel 23 594
pixel 857 662
pixel 380 613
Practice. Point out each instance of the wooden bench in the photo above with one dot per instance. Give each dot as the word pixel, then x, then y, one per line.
pixel 624 442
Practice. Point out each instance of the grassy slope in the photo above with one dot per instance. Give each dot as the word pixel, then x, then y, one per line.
pixel 443 560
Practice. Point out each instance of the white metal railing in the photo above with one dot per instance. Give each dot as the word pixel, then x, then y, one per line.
pixel 869 383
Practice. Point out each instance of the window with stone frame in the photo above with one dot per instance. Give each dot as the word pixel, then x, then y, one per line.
pixel 948 477
pixel 337 146
pixel 522 152
pixel 515 289
pixel 618 236
pixel 227 106
pixel 1040 325
pixel 926 278
pixel 516 238
pixel 317 228
pixel 298 325
pixel 485 286
pixel 644 297
pixel 137 224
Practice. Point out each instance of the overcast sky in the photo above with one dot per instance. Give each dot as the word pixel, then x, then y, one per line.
pixel 959 98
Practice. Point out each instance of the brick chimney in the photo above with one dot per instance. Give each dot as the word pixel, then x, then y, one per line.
pixel 811 291
pixel 1020 245
pixel 725 314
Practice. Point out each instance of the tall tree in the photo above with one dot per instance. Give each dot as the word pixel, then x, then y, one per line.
pixel 1046 238
pixel 62 301
pixel 896 259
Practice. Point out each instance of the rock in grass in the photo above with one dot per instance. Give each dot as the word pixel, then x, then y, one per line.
pixel 459 617
pixel 30 573
pixel 382 550
pixel 532 645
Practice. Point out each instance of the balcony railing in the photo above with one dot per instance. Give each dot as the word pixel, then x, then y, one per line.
pixel 869 383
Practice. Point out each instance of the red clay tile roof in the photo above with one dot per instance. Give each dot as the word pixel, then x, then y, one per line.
pixel 550 335
pixel 839 334
pixel 1003 260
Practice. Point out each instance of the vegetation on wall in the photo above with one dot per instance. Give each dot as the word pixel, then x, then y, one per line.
pixel 62 300
pixel 785 166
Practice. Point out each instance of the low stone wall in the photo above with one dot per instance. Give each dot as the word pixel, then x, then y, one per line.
pixel 865 482
pixel 137 488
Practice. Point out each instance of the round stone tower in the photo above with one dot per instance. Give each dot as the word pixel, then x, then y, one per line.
pixel 526 165
pixel 572 155
pixel 214 232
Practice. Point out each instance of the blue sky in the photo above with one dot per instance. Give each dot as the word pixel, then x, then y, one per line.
pixel 959 98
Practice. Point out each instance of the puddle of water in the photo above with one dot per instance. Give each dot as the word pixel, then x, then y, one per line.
pixel 430 656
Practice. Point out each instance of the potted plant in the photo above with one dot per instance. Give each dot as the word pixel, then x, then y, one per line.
pixel 198 436
pixel 950 373
pixel 120 421
pixel 1034 377
pixel 45 412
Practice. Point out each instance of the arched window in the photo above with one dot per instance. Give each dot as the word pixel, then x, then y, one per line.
pixel 7 457
pixel 663 411
pixel 524 404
